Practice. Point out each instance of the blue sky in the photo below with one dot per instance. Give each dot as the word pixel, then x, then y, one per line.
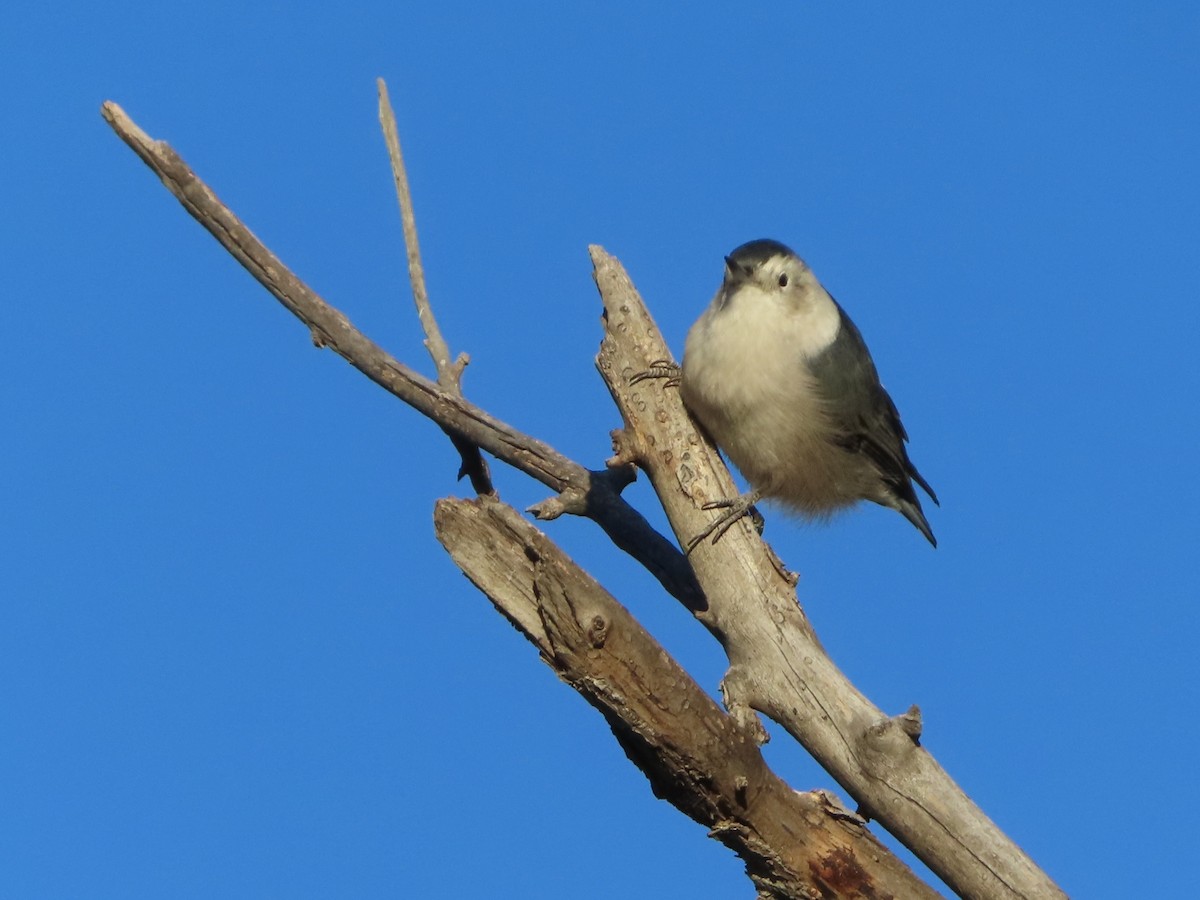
pixel 233 659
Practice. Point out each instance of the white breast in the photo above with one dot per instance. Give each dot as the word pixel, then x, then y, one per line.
pixel 745 378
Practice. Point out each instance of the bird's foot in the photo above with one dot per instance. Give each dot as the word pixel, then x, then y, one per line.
pixel 660 368
pixel 734 510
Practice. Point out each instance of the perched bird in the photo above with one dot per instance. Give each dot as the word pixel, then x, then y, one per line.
pixel 780 378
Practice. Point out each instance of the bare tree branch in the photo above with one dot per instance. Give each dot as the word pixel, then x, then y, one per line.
pixel 449 374
pixel 581 492
pixel 777 666
pixel 696 757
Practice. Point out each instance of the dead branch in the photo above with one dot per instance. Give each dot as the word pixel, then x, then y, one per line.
pixel 776 664
pixel 449 374
pixel 580 491
pixel 794 844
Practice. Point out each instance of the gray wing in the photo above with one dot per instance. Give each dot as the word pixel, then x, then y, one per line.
pixel 866 420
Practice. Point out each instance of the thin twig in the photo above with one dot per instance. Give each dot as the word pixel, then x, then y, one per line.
pixel 449 374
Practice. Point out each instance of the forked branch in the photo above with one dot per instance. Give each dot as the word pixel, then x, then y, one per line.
pixel 738 588
pixel 585 492
pixel 449 374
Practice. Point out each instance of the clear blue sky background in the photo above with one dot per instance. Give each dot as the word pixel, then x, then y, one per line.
pixel 234 661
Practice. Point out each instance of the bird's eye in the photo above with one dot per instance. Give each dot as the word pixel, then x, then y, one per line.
pixel 783 280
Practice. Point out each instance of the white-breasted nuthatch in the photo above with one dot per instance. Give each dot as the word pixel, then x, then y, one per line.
pixel 780 378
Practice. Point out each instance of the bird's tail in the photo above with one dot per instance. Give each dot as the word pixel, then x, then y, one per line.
pixel 911 510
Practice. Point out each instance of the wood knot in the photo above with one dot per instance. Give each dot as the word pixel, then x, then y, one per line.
pixel 597 631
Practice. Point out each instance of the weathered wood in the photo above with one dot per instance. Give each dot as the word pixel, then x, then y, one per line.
pixel 776 664
pixel 698 758
pixel 739 589
pixel 594 494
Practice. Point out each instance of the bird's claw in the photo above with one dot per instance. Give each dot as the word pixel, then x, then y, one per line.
pixel 734 509
pixel 660 368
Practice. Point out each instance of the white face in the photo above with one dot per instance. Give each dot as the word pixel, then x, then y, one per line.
pixel 775 297
pixel 782 278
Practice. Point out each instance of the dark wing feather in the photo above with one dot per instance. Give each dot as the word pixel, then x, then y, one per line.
pixel 866 419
